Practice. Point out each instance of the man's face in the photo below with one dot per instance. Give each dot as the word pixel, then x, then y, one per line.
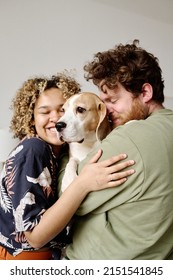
pixel 121 105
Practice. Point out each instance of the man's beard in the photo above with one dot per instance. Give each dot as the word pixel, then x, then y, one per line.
pixel 137 112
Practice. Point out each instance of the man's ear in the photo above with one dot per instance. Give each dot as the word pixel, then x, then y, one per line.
pixel 147 92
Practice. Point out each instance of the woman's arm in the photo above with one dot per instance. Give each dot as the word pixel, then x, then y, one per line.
pixel 93 177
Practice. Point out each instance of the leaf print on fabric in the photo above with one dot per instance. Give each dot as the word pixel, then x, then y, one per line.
pixel 5 201
pixel 18 251
pixel 28 225
pixel 20 237
pixel 28 199
pixel 44 180
pixel 16 151
pixel 10 178
pixel 11 171
pixel 4 240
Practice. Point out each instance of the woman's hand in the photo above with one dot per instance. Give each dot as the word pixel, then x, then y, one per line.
pixel 105 174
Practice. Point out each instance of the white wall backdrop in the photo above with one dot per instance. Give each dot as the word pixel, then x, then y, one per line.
pixel 48 36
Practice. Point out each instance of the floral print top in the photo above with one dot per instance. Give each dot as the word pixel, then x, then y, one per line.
pixel 27 189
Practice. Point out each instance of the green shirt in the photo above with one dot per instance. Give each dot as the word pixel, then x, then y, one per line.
pixel 134 220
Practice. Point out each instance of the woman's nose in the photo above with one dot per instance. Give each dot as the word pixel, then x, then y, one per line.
pixel 54 117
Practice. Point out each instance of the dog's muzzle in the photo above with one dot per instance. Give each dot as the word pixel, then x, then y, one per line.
pixel 60 127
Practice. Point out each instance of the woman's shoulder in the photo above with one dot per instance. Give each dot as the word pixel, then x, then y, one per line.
pixel 32 145
pixel 33 141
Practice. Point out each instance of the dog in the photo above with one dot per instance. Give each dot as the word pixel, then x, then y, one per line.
pixel 83 125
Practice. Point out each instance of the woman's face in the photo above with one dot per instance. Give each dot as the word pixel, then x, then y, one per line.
pixel 47 111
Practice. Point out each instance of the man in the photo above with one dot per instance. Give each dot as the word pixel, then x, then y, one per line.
pixel 135 220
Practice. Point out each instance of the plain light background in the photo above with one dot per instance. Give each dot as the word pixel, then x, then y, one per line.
pixel 47 36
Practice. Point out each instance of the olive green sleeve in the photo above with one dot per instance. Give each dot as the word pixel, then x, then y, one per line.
pixel 63 160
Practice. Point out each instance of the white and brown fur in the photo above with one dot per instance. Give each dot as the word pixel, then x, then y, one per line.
pixel 83 125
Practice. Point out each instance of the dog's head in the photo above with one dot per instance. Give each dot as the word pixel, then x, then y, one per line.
pixel 84 119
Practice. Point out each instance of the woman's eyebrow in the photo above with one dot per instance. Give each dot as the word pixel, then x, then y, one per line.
pixel 43 107
pixel 47 106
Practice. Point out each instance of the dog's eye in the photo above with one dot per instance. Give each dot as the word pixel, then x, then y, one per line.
pixel 80 110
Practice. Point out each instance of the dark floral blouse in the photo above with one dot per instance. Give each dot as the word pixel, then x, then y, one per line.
pixel 27 189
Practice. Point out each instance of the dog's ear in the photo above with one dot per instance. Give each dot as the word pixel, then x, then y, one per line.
pixel 103 127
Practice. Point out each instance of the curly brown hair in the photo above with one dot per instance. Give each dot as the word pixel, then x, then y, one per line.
pixel 24 102
pixel 129 65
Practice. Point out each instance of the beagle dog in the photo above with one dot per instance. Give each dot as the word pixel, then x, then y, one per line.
pixel 83 125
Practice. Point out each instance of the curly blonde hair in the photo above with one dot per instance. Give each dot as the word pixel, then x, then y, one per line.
pixel 24 102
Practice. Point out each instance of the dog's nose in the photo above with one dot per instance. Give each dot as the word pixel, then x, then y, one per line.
pixel 60 126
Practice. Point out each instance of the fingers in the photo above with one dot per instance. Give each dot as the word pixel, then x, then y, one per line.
pixel 117 179
pixel 113 160
pixel 121 175
pixel 96 157
pixel 117 183
pixel 107 173
pixel 120 166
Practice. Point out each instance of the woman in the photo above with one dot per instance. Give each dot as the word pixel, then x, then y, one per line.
pixel 36 219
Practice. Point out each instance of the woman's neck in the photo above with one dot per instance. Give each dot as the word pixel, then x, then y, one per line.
pixel 56 150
